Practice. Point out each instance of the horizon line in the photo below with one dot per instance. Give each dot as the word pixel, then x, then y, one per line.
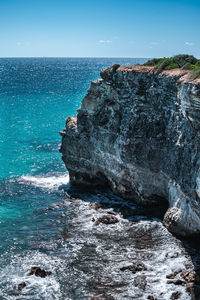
pixel 72 57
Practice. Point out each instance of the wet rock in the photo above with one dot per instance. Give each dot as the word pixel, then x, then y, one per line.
pixel 140 282
pixel 39 272
pixel 107 219
pixel 173 275
pixel 176 282
pixel 95 205
pixel 64 233
pixel 136 267
pixel 21 286
pixel 112 213
pixel 191 276
pixel 175 295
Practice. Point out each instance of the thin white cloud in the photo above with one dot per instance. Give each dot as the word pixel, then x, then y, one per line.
pixel 154 43
pixel 189 44
pixel 19 44
pixel 105 41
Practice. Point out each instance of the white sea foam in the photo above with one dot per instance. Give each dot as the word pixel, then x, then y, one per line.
pixel 46 182
pixel 37 288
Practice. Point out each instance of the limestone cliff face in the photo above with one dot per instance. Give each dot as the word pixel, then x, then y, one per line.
pixel 139 132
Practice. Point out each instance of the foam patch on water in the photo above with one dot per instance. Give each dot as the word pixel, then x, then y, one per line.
pixel 55 182
pixel 36 288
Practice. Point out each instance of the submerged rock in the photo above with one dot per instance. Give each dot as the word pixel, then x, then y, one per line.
pixel 21 286
pixel 173 275
pixel 176 282
pixel 110 219
pixel 139 133
pixel 175 295
pixel 39 272
pixel 140 282
pixel 136 267
pixel 64 233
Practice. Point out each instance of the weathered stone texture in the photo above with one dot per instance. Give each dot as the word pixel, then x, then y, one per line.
pixel 139 133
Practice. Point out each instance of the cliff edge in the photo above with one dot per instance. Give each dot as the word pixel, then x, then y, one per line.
pixel 139 133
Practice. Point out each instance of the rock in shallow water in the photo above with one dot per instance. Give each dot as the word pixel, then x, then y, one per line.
pixel 21 286
pixel 140 282
pixel 175 295
pixel 136 267
pixel 39 272
pixel 107 219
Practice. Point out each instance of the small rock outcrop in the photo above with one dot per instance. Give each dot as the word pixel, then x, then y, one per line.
pixel 39 272
pixel 107 220
pixel 136 267
pixel 21 286
pixel 139 133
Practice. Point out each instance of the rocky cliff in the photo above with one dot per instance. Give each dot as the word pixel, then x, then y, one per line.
pixel 139 133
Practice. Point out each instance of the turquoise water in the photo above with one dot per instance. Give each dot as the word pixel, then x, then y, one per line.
pixel 40 225
pixel 36 95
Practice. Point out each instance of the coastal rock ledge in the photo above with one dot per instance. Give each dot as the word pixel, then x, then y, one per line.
pixel 139 133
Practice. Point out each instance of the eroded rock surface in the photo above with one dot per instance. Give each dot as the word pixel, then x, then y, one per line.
pixel 138 132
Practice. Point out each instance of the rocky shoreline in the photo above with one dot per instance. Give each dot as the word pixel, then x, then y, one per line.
pixel 138 133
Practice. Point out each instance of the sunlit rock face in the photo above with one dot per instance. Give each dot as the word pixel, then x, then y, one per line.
pixel 139 133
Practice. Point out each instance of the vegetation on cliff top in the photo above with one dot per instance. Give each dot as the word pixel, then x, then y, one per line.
pixel 182 61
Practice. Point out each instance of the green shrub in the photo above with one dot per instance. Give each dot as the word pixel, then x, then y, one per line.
pixel 183 61
pixel 153 62
pixel 197 65
pixel 171 65
pixel 188 66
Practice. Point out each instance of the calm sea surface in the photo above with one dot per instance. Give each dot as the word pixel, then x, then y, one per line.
pixel 40 225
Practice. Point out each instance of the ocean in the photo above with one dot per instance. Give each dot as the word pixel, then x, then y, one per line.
pixel 40 225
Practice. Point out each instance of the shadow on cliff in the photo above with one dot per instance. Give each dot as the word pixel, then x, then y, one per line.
pixel 129 209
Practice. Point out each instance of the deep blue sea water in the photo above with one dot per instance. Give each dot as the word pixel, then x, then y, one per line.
pixel 39 225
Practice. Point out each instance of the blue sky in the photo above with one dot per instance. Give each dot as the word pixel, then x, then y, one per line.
pixel 103 28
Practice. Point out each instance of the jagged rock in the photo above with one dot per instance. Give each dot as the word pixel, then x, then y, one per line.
pixel 175 295
pixel 39 272
pixel 139 133
pixel 176 282
pixel 21 286
pixel 107 220
pixel 150 297
pixel 136 267
pixel 191 276
pixel 173 275
pixel 140 282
